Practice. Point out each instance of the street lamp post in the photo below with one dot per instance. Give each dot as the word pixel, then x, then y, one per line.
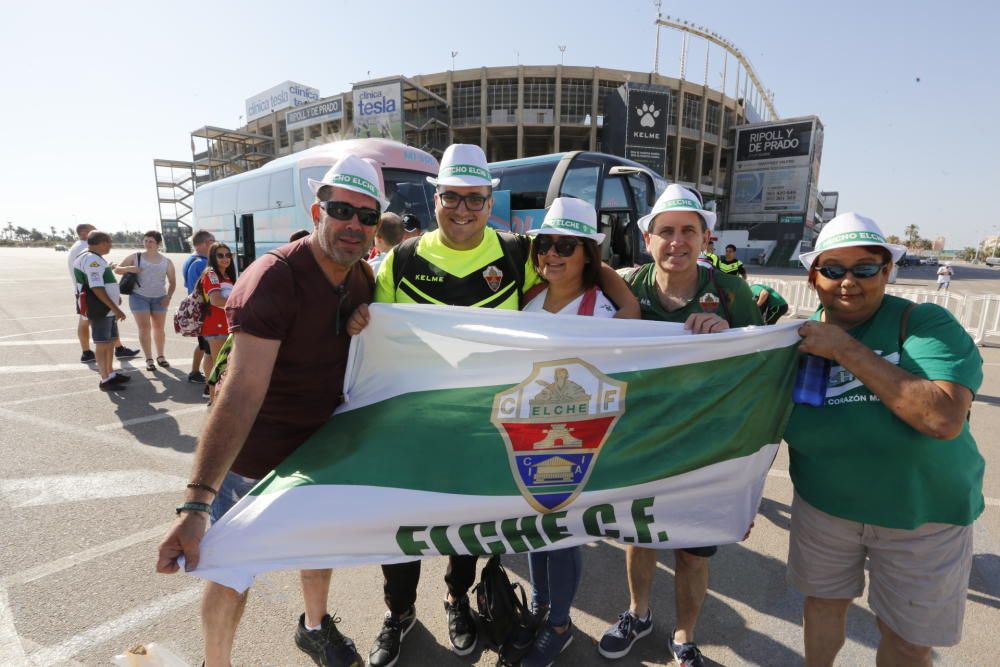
pixel 562 53
pixel 453 54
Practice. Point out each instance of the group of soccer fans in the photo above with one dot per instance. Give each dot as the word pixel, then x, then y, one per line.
pixel 292 314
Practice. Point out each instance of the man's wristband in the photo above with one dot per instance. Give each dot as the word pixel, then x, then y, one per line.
pixel 203 487
pixel 194 507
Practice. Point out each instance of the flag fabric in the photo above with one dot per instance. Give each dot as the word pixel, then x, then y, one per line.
pixel 471 431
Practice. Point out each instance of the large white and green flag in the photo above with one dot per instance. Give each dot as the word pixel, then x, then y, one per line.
pixel 470 431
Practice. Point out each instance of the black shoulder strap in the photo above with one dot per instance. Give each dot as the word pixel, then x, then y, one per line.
pixel 902 324
pixel 401 256
pixel 369 275
pixel 515 248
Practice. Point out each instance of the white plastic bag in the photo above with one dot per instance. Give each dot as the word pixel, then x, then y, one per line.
pixel 150 655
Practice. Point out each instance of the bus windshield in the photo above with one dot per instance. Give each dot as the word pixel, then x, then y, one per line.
pixel 409 192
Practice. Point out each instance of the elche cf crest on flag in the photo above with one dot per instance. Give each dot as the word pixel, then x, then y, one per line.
pixel 554 424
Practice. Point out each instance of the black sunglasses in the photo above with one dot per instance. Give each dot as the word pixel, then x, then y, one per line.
pixel 565 245
pixel 858 271
pixel 223 255
pixel 341 210
pixel 473 202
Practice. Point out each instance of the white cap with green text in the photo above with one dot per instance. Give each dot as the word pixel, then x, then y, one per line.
pixel 677 198
pixel 464 165
pixel 850 230
pixel 569 216
pixel 355 174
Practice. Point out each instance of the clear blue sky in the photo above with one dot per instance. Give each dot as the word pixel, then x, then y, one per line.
pixel 97 90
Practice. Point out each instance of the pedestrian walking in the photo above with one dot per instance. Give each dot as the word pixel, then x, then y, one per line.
pixel 944 275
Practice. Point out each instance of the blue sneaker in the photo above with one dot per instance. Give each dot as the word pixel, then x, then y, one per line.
pixel 618 639
pixel 547 647
pixel 687 654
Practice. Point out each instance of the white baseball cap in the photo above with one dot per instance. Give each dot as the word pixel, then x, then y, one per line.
pixel 464 165
pixel 677 198
pixel 850 230
pixel 569 216
pixel 355 174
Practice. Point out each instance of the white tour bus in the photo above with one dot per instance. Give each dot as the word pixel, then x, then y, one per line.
pixel 258 210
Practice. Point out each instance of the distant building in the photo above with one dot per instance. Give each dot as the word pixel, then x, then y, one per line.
pixel 938 244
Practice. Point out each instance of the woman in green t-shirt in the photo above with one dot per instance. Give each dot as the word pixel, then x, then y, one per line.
pixel 886 470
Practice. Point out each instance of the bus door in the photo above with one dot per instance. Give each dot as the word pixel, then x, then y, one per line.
pixel 616 220
pixel 245 248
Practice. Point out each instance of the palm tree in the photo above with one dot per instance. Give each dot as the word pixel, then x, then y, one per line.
pixel 912 233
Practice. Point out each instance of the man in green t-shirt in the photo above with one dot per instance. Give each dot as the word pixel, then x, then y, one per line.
pixel 677 288
pixel 732 265
pixel 772 305
pixel 461 263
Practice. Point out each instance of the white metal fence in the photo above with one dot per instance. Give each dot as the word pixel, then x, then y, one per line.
pixel 978 313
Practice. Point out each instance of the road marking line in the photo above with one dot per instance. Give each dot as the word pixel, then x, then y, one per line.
pixel 66 562
pixel 105 632
pixel 87 434
pixel 54 368
pixel 29 333
pixel 35 317
pixel 151 418
pixel 11 650
pixel 33 399
pixel 46 341
pixel 57 489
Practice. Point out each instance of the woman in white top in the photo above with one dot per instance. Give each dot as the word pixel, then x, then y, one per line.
pixel 566 253
pixel 151 296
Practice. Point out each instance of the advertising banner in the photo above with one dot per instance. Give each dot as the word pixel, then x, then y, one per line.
pixel 282 96
pixel 478 431
pixel 313 114
pixel 378 110
pixel 773 168
pixel 646 128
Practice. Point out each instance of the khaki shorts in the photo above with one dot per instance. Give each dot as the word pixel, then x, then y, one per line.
pixel 918 581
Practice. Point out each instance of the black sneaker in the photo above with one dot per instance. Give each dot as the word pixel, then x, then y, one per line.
pixel 385 650
pixel 687 654
pixel 88 357
pixel 122 352
pixel 618 639
pixel 461 626
pixel 326 646
pixel 120 378
pixel 196 377
pixel 111 385
pixel 548 645
pixel 206 392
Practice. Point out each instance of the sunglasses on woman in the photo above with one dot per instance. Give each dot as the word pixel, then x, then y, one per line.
pixel 858 271
pixel 565 245
pixel 341 210
pixel 223 255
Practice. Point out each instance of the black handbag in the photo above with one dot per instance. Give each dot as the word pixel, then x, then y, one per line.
pixel 130 280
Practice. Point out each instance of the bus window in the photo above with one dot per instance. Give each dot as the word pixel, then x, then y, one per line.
pixel 305 173
pixel 281 192
pixel 252 194
pixel 581 182
pixel 224 201
pixel 613 193
pixel 640 193
pixel 203 203
pixel 409 192
pixel 528 185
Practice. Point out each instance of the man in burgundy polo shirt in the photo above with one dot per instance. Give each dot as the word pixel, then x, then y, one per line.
pixel 288 314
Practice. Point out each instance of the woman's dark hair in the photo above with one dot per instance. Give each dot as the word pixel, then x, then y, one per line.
pixel 155 235
pixel 213 262
pixel 592 267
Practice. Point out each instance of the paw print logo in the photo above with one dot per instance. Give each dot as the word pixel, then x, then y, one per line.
pixel 647 114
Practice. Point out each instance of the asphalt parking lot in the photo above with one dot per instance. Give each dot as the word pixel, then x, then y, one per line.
pixel 89 480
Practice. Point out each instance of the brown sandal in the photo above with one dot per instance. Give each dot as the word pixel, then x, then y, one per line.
pixel 162 361
pixel 150 366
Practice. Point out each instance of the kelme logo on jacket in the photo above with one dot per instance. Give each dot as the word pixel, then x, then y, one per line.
pixel 554 424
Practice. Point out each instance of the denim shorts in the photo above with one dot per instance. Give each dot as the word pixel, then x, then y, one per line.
pixel 146 304
pixel 233 488
pixel 104 329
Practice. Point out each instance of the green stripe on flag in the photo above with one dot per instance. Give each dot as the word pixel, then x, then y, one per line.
pixel 676 419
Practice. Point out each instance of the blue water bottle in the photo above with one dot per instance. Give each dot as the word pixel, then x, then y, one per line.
pixel 812 380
